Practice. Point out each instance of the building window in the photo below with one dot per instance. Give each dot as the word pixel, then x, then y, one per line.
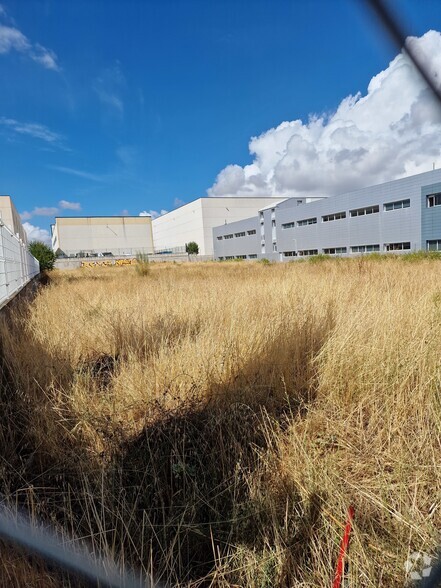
pixel 334 250
pixel 221 258
pixel 396 246
pixel 308 252
pixel 434 245
pixel 299 201
pixel 273 223
pixel 290 253
pixel 433 200
pixel 252 232
pixel 365 248
pixel 333 217
pixel 252 256
pixel 229 257
pixel 307 221
pixel 241 234
pixel 363 211
pixel 274 246
pixel 289 225
pixel 228 236
pixel 220 238
pixel 241 256
pixel 397 204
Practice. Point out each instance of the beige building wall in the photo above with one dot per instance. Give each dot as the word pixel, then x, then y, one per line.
pixel 195 221
pixel 122 235
pixel 11 218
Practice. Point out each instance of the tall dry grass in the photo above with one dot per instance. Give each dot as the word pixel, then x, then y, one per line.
pixel 211 423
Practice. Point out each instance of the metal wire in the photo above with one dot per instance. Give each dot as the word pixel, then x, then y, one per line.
pixel 400 39
pixel 18 530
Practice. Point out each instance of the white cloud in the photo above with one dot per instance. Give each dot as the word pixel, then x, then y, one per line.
pixel 34 130
pixel 12 39
pixel 36 234
pixel 178 202
pixel 45 211
pixel 39 211
pixel 109 86
pixel 25 215
pixel 153 213
pixel 78 172
pixel 46 57
pixel 391 132
pixel 66 205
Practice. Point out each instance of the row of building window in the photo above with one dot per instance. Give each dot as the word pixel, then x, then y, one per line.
pixel 241 234
pixel 397 205
pixel 230 257
pixel 363 211
pixel 432 245
pixel 306 221
pixel 356 212
pixel 432 200
pixel 332 217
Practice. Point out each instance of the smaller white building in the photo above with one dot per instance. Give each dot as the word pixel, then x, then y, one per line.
pixel 195 221
pixel 97 235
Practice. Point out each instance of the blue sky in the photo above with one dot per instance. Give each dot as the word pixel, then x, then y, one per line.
pixel 113 106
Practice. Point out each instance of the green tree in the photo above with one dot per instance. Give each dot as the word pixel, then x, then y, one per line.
pixel 44 254
pixel 192 248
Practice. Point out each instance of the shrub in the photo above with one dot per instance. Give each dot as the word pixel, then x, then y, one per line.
pixel 142 264
pixel 192 248
pixel 264 261
pixel 421 256
pixel 318 258
pixel 44 254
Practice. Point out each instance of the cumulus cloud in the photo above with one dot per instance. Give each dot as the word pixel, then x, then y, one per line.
pixel 66 205
pixel 39 211
pixel 12 39
pixel 36 234
pixel 49 210
pixel 153 213
pixel 45 211
pixel 391 132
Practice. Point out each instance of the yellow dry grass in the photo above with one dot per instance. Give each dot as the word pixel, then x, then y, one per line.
pixel 213 422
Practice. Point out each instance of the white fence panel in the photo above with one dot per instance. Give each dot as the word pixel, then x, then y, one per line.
pixel 17 265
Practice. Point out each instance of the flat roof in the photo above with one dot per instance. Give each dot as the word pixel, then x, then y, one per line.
pixel 274 204
pixel 109 216
pixel 232 198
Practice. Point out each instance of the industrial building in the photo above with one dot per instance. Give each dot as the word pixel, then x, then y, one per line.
pixel 102 235
pixel 195 221
pixel 10 217
pixel 398 216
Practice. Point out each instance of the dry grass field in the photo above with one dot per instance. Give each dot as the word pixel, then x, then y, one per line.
pixel 211 423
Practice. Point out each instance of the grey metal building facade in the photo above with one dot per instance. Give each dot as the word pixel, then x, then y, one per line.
pixel 398 216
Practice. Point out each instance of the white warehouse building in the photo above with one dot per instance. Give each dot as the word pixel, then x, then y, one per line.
pixel 96 235
pixel 195 221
